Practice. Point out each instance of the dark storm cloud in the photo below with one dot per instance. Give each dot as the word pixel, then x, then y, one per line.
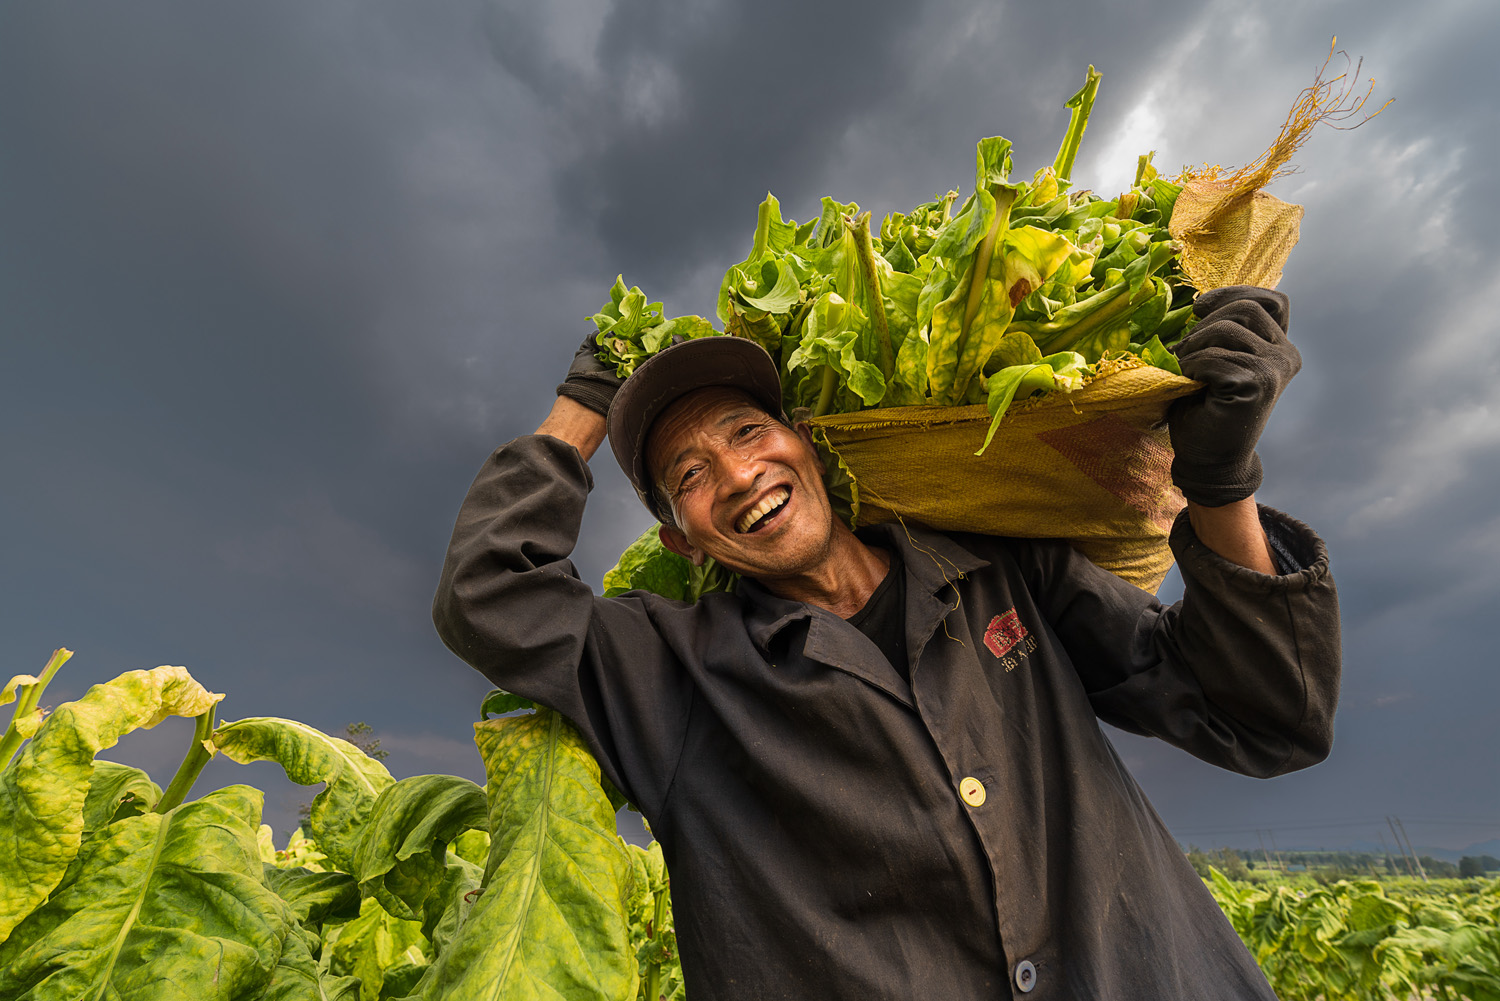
pixel 275 278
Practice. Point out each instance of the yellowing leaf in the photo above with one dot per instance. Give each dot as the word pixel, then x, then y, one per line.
pixel 168 907
pixel 403 856
pixel 308 756
pixel 551 921
pixel 8 693
pixel 42 792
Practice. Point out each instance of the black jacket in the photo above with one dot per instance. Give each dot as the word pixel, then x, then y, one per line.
pixel 820 816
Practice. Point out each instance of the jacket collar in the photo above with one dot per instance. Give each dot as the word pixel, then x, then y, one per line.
pixel 932 562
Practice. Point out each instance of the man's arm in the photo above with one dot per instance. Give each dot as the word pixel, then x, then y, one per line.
pixel 1244 671
pixel 1234 532
pixel 1240 352
pixel 575 424
pixel 511 605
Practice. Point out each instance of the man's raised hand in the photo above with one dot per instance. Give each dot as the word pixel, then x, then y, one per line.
pixel 1240 351
pixel 590 382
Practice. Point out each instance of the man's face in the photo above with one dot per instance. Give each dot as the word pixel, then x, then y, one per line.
pixel 744 488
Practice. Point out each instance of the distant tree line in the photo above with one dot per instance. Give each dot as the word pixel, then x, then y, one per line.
pixel 1329 866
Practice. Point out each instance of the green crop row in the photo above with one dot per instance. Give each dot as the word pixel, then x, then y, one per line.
pixel 430 887
pixel 1364 940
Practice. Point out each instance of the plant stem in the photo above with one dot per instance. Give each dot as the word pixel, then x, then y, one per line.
pixel 948 201
pixel 762 229
pixel 1082 104
pixel 659 918
pixel 825 394
pixel 875 298
pixel 33 693
pixel 26 703
pixel 192 765
pixel 11 742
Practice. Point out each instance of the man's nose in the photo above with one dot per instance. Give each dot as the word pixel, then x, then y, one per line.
pixel 741 470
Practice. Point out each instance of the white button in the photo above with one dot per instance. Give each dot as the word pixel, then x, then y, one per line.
pixel 972 791
pixel 1025 976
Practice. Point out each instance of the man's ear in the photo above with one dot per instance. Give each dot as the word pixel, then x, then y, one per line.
pixel 673 539
pixel 804 431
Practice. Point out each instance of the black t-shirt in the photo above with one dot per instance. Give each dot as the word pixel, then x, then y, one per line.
pixel 883 619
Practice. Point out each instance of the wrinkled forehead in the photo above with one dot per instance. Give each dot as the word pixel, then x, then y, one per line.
pixel 700 410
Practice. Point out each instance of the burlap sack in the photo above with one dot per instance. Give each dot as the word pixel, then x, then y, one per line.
pixel 1233 237
pixel 1093 467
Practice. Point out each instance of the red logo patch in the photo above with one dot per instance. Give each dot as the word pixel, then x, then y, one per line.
pixel 1004 632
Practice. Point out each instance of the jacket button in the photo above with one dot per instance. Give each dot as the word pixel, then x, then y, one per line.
pixel 1025 976
pixel 972 791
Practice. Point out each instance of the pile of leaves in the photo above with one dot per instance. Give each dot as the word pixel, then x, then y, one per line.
pixel 1023 288
pixel 430 887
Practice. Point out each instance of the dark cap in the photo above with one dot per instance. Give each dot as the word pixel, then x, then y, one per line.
pixel 664 378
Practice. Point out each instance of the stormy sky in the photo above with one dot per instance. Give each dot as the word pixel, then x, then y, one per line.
pixel 276 277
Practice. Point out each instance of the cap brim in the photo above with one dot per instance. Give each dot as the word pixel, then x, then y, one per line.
pixel 664 378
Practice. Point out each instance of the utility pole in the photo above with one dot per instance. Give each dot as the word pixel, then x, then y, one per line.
pixel 1390 862
pixel 1414 858
pixel 1272 835
pixel 1263 850
pixel 1406 859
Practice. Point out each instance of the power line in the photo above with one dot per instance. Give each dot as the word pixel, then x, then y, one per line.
pixel 1329 825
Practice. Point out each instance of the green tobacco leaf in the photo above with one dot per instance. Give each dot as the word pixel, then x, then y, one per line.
pixel 647 565
pixel 1154 354
pixel 771 285
pixel 1005 385
pixel 991 162
pixel 314 897
pixel 976 304
pixel 472 846
pixel 1026 259
pixel 162 907
pixel 900 256
pixel 402 858
pixel 373 944
pixel 117 791
pixel 908 385
pixel 843 489
pixel 552 920
pixel 20 681
pixel 1064 370
pixel 298 977
pixel 962 233
pixel 309 756
pixel 940 285
pixel 686 327
pixel 43 791
pixel 448 905
pixel 1016 349
pixel 498 703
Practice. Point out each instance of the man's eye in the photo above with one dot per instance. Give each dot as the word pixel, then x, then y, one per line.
pixel 746 429
pixel 687 477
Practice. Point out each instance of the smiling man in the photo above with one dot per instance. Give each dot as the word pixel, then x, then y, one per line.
pixel 876 769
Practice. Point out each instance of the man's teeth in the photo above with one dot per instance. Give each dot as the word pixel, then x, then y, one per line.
pixel 773 500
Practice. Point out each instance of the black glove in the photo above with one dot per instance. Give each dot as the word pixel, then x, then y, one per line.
pixel 590 381
pixel 1240 351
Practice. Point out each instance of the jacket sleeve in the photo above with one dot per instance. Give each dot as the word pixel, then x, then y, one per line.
pixel 1243 672
pixel 511 605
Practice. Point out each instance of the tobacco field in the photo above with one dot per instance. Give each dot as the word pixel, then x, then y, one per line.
pixel 433 887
